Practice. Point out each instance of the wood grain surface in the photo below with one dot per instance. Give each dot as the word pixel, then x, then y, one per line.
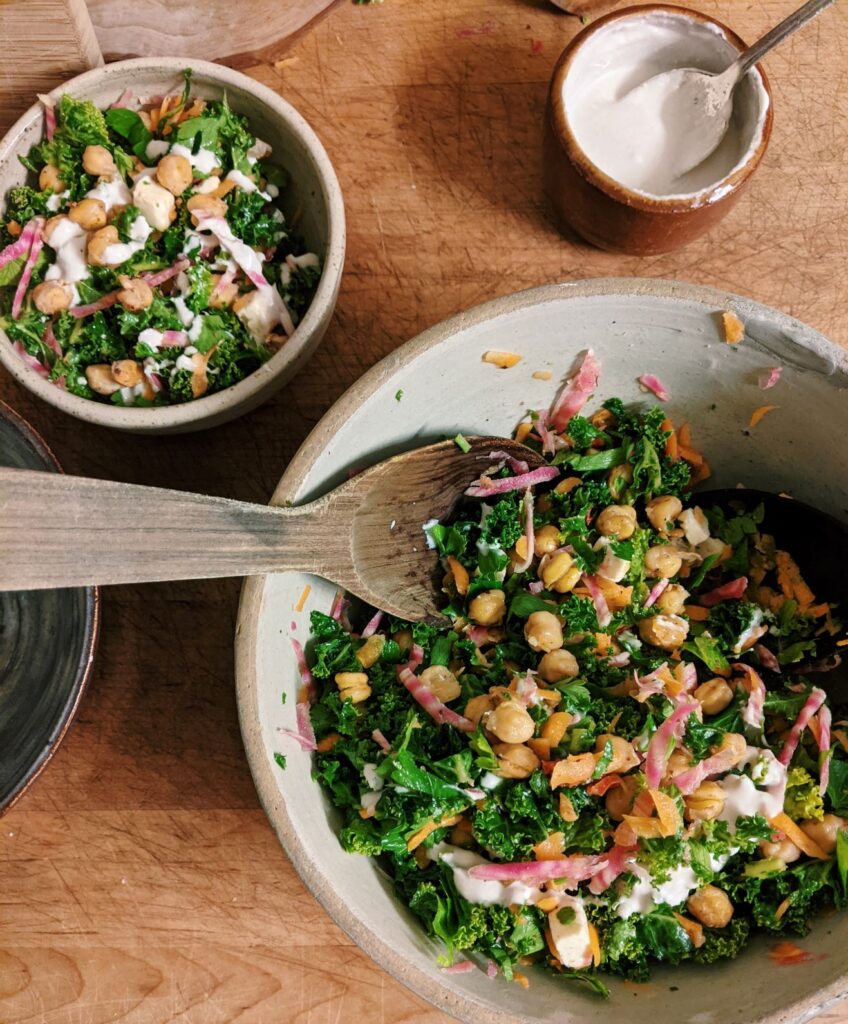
pixel 140 880
pixel 42 43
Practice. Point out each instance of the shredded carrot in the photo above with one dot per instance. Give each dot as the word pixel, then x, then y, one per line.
pixel 842 643
pixel 817 610
pixel 551 848
pixel 460 575
pixel 692 929
pixel 540 747
pixel 696 613
pixel 13 228
pixel 154 120
pixel 798 836
pixel 301 601
pixel 684 435
pixel 787 953
pixel 603 642
pixel 690 455
pixel 758 414
pixel 603 785
pixel 548 904
pixel 417 838
pixel 520 979
pixel 784 906
pixel 554 728
pixel 329 741
pixel 367 812
pixel 842 736
pixel 594 944
pixel 566 808
pixel 522 430
pixel 542 375
pixel 671 448
pixel 567 486
pixel 702 472
pixel 734 329
pixel 521 547
pixel 614 722
pixel 791 582
pixel 504 360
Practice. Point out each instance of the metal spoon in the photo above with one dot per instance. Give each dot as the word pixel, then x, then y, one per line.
pixel 708 96
pixel 366 536
pixel 818 542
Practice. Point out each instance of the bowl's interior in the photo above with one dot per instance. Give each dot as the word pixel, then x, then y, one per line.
pixel 634 327
pixel 308 203
pixel 47 640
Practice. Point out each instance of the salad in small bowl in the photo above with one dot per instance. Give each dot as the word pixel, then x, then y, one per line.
pixel 165 238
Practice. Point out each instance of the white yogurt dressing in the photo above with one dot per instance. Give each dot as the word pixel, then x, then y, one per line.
pixel 204 160
pixel 111 192
pixel 484 891
pixel 68 241
pixel 118 253
pixel 643 139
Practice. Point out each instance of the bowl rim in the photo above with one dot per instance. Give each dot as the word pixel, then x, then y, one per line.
pixel 426 984
pixel 561 126
pixel 85 665
pixel 297 348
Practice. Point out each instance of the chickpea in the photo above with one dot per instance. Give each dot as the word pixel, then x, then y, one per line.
pixel 706 803
pixel 479 706
pixel 49 178
pixel 678 762
pixel 90 214
pixel 662 560
pixel 488 608
pixel 511 722
pixel 624 757
pixel 353 686
pixel 135 293
pixel 662 512
pixel 220 298
pixel 51 297
pixel 714 695
pixel 664 631
pixel 543 631
pixel 206 206
pixel 733 748
pixel 441 682
pixel 127 372
pixel 515 761
pixel 548 539
pixel 174 173
pixel 97 160
pixel 556 665
pixel 370 651
pixel 783 849
pixel 403 638
pixel 461 834
pixel 617 521
pixel 673 599
pixel 99 242
pixel 619 799
pixel 100 379
pixel 558 572
pixel 618 479
pixel 711 906
pixel 824 832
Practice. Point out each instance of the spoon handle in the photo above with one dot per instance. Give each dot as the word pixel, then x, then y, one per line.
pixel 66 531
pixel 786 27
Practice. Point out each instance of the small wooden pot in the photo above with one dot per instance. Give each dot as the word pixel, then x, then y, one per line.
pixel 607 213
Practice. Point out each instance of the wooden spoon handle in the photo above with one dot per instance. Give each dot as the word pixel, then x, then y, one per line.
pixel 66 531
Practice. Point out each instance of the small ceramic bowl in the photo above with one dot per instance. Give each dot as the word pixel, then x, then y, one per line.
pixel 634 326
pixel 620 218
pixel 47 644
pixel 313 201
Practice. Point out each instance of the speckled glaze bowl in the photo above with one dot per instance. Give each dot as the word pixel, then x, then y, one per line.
pixel 635 327
pixel 601 209
pixel 313 202
pixel 47 644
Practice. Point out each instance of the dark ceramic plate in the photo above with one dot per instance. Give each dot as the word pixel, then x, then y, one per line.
pixel 47 643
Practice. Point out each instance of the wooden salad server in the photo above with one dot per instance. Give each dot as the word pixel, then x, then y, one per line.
pixel 366 536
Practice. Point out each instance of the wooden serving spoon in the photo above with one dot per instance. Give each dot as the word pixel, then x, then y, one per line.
pixel 366 536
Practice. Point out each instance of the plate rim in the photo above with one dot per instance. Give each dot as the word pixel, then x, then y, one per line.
pixel 426 985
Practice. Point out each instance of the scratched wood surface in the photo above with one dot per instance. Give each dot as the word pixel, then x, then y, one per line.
pixel 139 880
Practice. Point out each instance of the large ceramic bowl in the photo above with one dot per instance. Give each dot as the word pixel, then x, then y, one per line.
pixel 313 202
pixel 47 643
pixel 635 327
